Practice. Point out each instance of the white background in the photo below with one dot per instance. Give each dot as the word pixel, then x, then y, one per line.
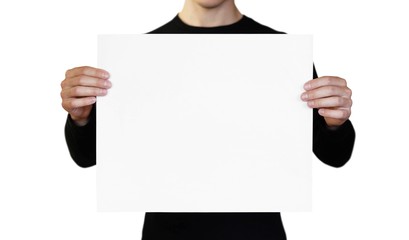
pixel 45 195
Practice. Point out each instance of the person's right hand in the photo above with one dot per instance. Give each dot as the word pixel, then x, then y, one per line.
pixel 79 90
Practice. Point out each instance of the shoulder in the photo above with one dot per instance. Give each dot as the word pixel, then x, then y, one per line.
pixel 169 27
pixel 256 27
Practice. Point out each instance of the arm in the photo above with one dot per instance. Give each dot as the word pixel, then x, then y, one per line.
pixel 78 93
pixel 333 135
pixel 332 146
pixel 81 140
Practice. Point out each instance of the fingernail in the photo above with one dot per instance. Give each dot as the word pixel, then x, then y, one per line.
pixel 304 96
pixel 107 84
pixel 310 103
pixel 307 86
pixel 105 75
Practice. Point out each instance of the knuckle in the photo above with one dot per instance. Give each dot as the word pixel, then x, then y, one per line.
pixel 328 81
pixel 80 80
pixel 334 80
pixel 349 92
pixel 344 101
pixel 62 84
pixel 82 69
pixel 342 81
pixel 101 83
pixel 86 70
pixel 75 91
pixel 73 104
pixel 346 114
pixel 343 114
pixel 66 105
pixel 78 70
pixel 333 90
pixel 340 101
pixel 311 95
pixel 98 83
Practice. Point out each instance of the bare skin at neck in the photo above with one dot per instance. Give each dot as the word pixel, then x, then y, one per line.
pixel 209 13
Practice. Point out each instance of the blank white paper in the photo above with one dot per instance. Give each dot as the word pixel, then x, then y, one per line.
pixel 204 123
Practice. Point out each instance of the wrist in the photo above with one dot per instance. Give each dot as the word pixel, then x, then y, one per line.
pixel 80 122
pixel 332 128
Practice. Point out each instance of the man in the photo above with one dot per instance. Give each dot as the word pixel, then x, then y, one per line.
pixel 329 97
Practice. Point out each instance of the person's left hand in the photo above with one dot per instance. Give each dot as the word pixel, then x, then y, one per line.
pixel 331 96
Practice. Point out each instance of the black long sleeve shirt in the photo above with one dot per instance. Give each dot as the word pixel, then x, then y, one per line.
pixel 333 147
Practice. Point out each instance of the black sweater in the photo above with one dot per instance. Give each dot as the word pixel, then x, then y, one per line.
pixel 333 147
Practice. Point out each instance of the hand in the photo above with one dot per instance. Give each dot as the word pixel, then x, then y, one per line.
pixel 79 90
pixel 331 96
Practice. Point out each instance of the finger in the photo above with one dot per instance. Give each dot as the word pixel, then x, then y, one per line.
pixel 325 81
pixel 88 71
pixel 80 91
pixel 326 91
pixel 88 81
pixel 335 113
pixel 72 103
pixel 330 102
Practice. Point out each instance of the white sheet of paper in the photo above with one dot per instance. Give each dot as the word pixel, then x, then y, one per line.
pixel 204 123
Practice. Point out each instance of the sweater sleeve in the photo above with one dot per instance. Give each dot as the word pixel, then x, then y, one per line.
pixel 332 147
pixel 81 141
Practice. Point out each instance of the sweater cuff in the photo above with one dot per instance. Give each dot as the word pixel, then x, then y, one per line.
pixel 339 133
pixel 81 130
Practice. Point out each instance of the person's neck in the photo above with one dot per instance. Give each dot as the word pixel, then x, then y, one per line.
pixel 198 16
